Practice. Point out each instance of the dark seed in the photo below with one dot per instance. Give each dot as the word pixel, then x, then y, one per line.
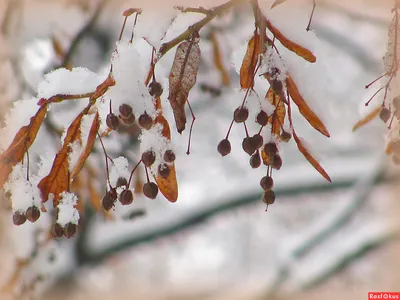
pixel 112 121
pixel 270 149
pixel 121 181
pixel 257 140
pixel 285 136
pixel 262 118
pixel 56 230
pixel 384 114
pixel 150 190
pixel 32 214
pixel 129 120
pixel 169 156
pixel 277 86
pixel 19 218
pixel 255 160
pixel 269 197
pixel 145 121
pixel 396 102
pixel 276 162
pixel 155 89
pixel 107 202
pixel 224 147
pixel 125 110
pixel 148 158
pixel 164 170
pixel 70 230
pixel 267 183
pixel 241 114
pixel 126 197
pixel 248 146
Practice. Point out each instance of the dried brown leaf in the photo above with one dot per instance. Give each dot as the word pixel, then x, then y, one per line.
pixel 310 158
pixel 88 147
pixel 57 181
pixel 304 109
pixel 20 144
pixel 278 118
pixel 182 78
pixel 369 117
pixel 292 46
pixel 249 62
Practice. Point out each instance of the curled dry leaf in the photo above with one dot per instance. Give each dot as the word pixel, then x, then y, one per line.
pixel 369 117
pixel 266 159
pixel 292 46
pixel 183 77
pixel 88 147
pixel 278 117
pixel 57 181
pixel 168 186
pixel 218 59
pixel 102 88
pixel 309 157
pixel 20 144
pixel 304 109
pixel 249 62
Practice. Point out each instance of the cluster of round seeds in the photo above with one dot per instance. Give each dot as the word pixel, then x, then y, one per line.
pixel 32 214
pixel 69 230
pixel 255 146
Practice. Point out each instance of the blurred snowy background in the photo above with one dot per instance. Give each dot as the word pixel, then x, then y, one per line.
pixel 217 241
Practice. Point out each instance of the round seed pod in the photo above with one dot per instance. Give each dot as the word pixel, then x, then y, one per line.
pixel 107 201
pixel 121 181
pixel 224 147
pixel 384 115
pixel 155 89
pixel 70 230
pixel 32 214
pixel 241 114
pixel 277 86
pixel 169 156
pixel 125 110
pixel 129 121
pixel 148 158
pixel 112 121
pixel 285 136
pixel 145 121
pixel 276 162
pixel 269 197
pixel 257 140
pixel 267 183
pixel 248 146
pixel 164 170
pixel 126 197
pixel 19 218
pixel 255 160
pixel 270 149
pixel 262 118
pixel 56 230
pixel 150 190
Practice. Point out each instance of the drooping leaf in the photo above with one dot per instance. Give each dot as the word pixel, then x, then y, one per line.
pixel 372 115
pixel 249 62
pixel 310 158
pixel 218 60
pixel 277 2
pixel 20 144
pixel 304 150
pixel 102 88
pixel 292 46
pixel 168 186
pixel 182 78
pixel 57 181
pixel 278 118
pixel 88 147
pixel 304 109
